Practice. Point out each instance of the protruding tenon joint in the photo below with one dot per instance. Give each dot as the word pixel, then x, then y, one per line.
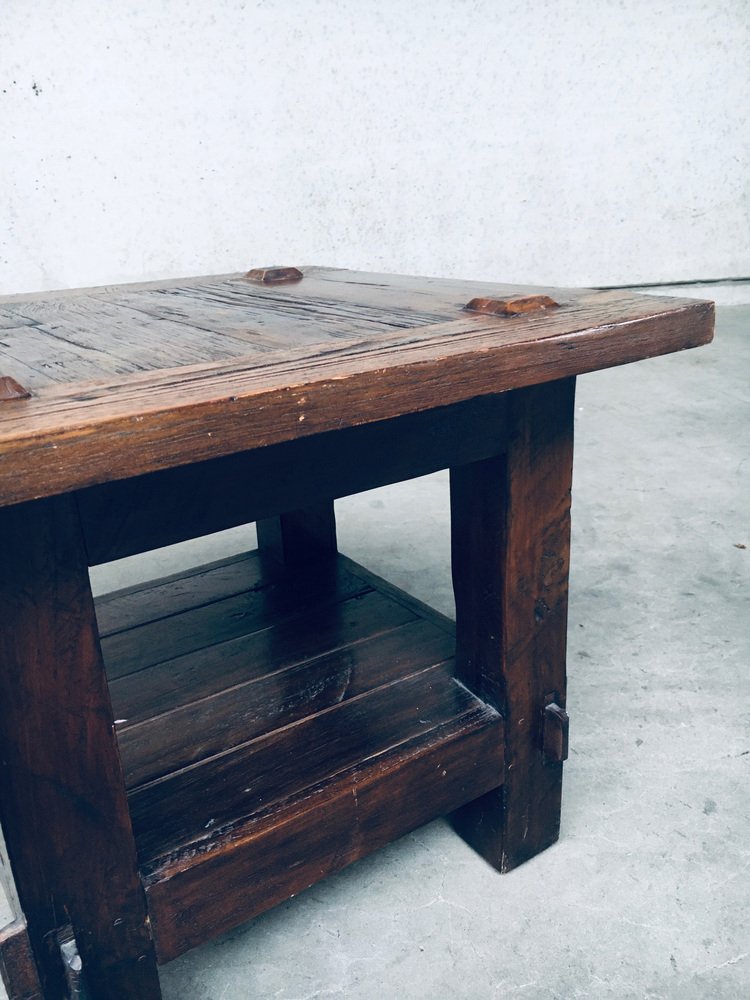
pixel 512 307
pixel 274 275
pixel 555 733
pixel 10 389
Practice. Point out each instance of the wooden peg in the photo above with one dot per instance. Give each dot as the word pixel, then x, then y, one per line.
pixel 274 275
pixel 10 389
pixel 555 733
pixel 512 307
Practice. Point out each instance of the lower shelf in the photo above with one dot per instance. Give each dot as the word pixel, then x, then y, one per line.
pixel 274 728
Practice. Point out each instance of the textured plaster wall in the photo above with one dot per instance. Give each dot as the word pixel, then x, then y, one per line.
pixel 589 142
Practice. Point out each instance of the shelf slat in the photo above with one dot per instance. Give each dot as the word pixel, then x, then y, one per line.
pixel 268 601
pixel 195 804
pixel 142 603
pixel 193 677
pixel 246 711
pixel 278 725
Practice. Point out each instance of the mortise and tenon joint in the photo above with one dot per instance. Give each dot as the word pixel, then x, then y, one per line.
pixel 555 724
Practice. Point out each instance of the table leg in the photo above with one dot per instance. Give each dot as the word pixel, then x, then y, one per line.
pixel 63 804
pixel 17 966
pixel 510 546
pixel 299 536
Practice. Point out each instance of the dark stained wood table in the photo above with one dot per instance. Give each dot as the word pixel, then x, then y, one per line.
pixel 179 756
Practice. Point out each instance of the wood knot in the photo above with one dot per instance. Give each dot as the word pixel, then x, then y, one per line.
pixel 274 275
pixel 512 307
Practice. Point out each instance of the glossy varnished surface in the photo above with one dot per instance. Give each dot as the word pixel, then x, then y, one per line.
pixel 288 720
pixel 173 373
pixel 63 805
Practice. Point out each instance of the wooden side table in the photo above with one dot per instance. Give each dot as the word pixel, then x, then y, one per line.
pixel 268 719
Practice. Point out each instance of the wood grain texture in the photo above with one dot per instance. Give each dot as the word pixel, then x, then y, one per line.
pixel 334 732
pixel 273 856
pixel 273 599
pixel 395 593
pixel 363 348
pixel 510 519
pixel 203 728
pixel 147 602
pixel 84 335
pixel 182 709
pixel 60 774
pixel 316 630
pixel 194 805
pixel 18 971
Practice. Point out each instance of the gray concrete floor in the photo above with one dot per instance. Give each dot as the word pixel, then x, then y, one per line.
pixel 647 893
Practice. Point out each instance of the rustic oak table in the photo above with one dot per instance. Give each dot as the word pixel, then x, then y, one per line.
pixel 181 755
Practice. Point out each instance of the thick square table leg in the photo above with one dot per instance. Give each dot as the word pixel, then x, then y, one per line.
pixel 299 536
pixel 63 804
pixel 18 971
pixel 510 547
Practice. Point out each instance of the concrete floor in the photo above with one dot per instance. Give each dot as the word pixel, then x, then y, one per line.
pixel 647 893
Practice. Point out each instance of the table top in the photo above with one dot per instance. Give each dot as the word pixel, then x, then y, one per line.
pixel 107 383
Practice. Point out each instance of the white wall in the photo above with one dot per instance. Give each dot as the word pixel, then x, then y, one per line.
pixel 589 142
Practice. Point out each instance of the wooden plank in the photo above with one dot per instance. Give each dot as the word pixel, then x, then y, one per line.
pixel 439 296
pixel 339 305
pixel 259 330
pixel 65 437
pixel 97 326
pixel 194 806
pixel 166 507
pixel 180 323
pixel 29 377
pixel 10 321
pixel 266 860
pixel 195 731
pixel 267 319
pixel 52 359
pixel 510 543
pixel 191 588
pixel 11 302
pixel 18 971
pixel 418 607
pixel 378 289
pixel 312 632
pixel 272 600
pixel 60 774
pixel 392 297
